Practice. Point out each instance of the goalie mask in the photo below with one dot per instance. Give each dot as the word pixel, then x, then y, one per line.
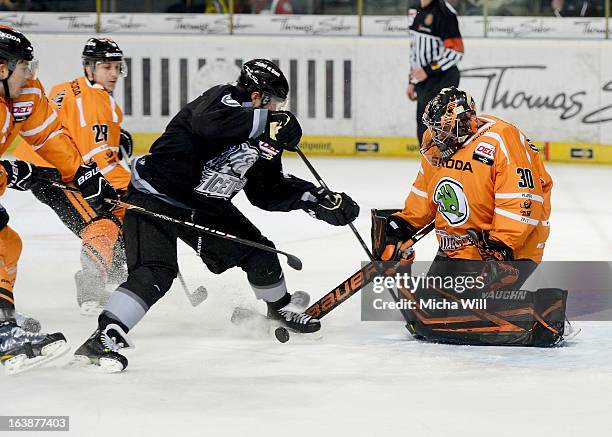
pixel 450 118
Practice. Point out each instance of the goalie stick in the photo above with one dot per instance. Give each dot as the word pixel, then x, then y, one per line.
pixel 363 276
pixel 356 282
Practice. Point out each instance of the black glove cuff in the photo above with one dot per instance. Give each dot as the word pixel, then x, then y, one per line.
pixel 498 246
pixel 399 228
pixel 8 168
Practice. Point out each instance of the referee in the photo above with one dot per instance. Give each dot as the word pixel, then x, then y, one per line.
pixel 436 49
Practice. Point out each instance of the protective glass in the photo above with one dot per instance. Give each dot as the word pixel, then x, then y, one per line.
pixel 278 104
pixel 32 67
pixel 122 66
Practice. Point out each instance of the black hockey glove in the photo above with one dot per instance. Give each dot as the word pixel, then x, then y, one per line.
pixel 283 130
pixel 4 217
pixel 125 143
pixel 337 209
pixel 20 175
pixel 497 271
pixel 95 188
pixel 397 232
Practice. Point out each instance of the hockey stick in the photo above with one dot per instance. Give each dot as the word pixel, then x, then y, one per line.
pixel 360 278
pixel 356 281
pixel 293 261
pixel 326 188
pixel 198 296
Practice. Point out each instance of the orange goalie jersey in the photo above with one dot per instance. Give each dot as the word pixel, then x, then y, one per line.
pixel 495 182
pixel 91 117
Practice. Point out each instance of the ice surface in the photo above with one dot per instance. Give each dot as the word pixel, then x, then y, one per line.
pixel 194 374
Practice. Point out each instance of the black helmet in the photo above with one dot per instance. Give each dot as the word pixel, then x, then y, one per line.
pixel 14 47
pixel 103 50
pixel 449 119
pixel 264 76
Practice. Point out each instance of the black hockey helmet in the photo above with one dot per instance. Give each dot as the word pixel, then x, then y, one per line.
pixel 264 76
pixel 450 120
pixel 15 47
pixel 103 50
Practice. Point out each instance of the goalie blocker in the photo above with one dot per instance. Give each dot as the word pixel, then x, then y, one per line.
pixel 510 316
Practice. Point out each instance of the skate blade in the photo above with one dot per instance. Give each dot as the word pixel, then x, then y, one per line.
pixel 91 309
pixel 308 336
pixel 21 363
pixel 105 365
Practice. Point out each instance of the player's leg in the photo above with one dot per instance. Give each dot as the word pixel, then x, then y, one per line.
pixel 421 104
pixel 70 207
pixel 510 316
pixel 263 269
pixel 83 221
pixel 19 349
pixel 100 238
pixel 152 266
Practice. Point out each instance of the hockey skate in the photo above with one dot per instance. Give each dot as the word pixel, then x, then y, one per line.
pixel 289 318
pixel 91 293
pixel 101 350
pixel 293 317
pixel 21 350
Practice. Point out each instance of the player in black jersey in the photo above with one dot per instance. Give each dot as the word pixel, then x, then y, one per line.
pixel 229 139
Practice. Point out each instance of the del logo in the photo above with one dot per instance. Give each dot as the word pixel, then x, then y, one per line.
pixel 484 153
pixel 451 200
pixel 21 110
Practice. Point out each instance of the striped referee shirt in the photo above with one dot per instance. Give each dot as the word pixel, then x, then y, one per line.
pixel 436 43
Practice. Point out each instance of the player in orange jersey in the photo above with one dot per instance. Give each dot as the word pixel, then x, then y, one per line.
pixel 25 111
pixel 484 185
pixel 91 117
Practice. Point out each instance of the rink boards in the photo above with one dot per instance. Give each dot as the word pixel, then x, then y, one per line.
pixel 349 92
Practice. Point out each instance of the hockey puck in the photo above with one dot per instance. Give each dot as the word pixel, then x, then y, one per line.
pixel 202 291
pixel 281 334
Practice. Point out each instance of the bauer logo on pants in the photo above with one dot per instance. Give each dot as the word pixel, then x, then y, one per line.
pixel 451 201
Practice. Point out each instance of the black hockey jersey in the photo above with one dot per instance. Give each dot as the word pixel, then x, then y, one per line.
pixel 210 151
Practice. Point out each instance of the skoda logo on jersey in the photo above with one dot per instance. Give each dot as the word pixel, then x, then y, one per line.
pixel 451 201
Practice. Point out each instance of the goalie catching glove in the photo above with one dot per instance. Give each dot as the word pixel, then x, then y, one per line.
pixel 283 130
pixel 95 188
pixel 20 175
pixel 337 209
